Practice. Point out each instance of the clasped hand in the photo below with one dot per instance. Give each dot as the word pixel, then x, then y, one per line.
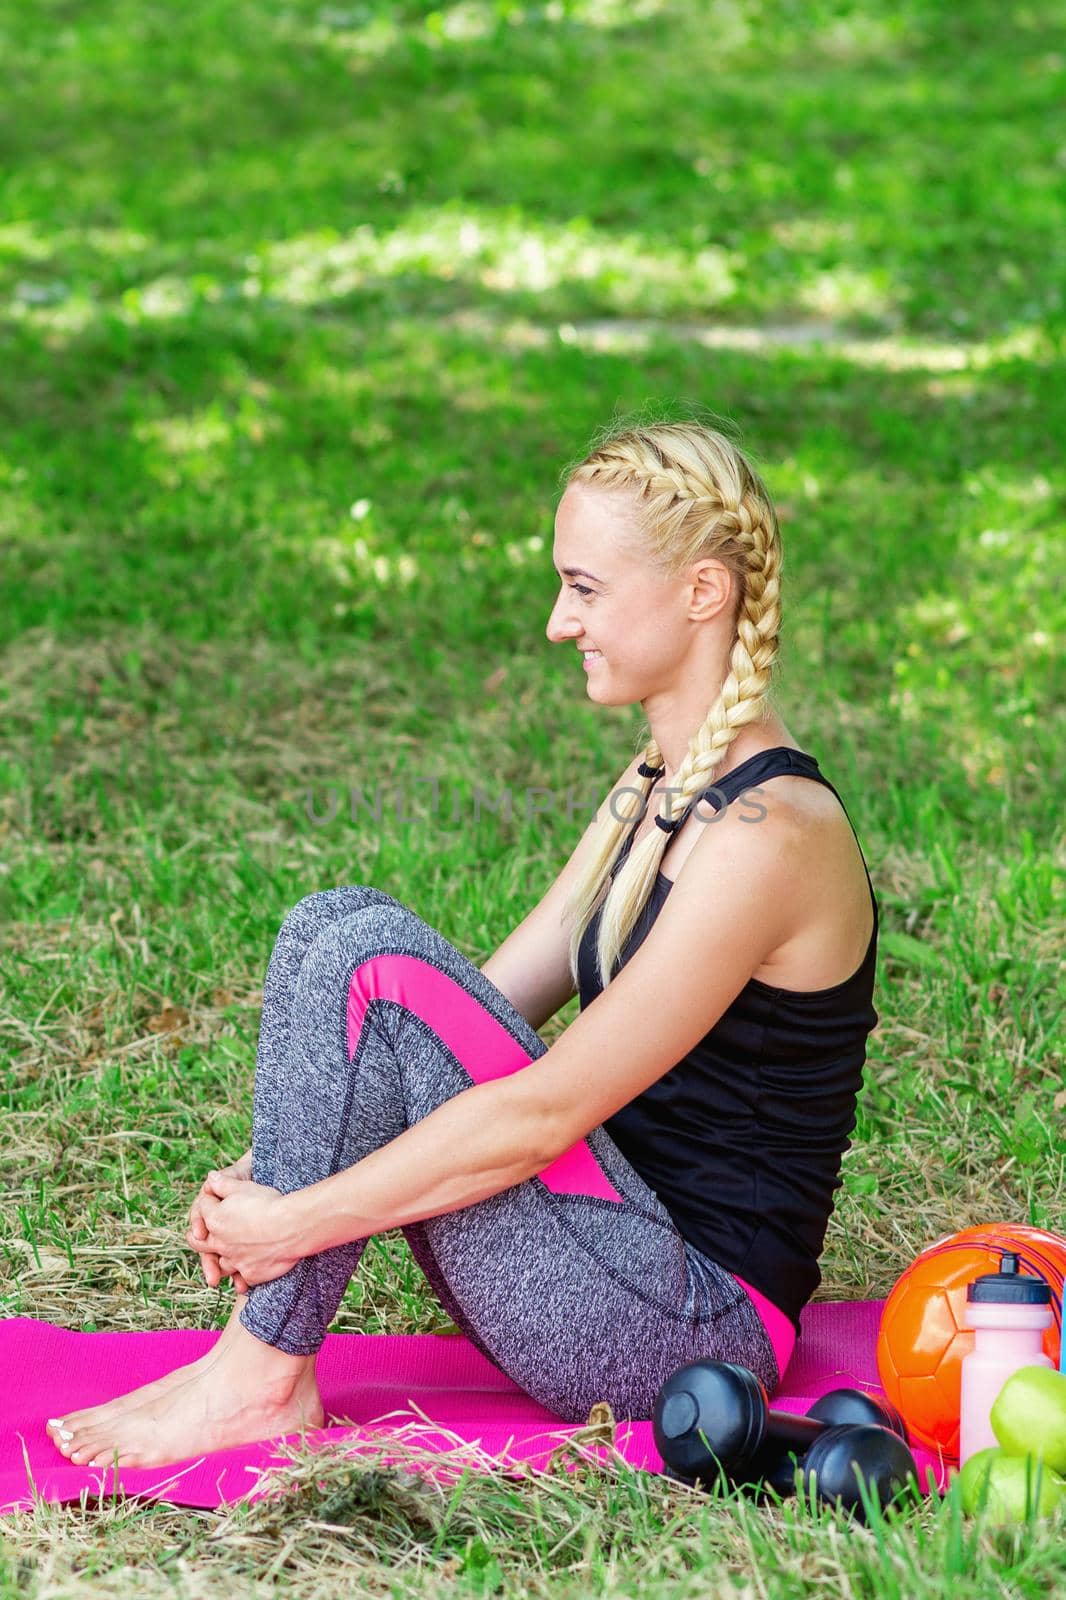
pixel 236 1227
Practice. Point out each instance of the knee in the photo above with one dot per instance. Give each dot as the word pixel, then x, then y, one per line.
pixel 320 912
pixel 324 906
pixel 337 924
pixel 380 923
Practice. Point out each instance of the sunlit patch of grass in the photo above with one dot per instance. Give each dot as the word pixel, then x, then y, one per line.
pixel 844 292
pixel 367 33
pixel 500 252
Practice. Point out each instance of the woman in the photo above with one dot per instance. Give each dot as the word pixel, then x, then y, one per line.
pixel 656 1188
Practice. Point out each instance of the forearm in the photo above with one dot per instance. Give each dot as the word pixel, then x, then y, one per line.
pixel 482 1141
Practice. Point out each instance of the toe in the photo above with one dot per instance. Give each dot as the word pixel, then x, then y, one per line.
pixel 87 1444
pixel 76 1420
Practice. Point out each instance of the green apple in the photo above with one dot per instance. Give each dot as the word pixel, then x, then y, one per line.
pixel 1029 1415
pixel 973 1475
pixel 1011 1483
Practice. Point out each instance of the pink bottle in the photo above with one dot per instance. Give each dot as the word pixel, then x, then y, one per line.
pixel 1008 1312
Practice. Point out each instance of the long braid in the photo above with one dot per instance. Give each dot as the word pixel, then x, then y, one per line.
pixel 698 495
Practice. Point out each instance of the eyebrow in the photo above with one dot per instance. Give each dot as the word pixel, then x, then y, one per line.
pixel 578 572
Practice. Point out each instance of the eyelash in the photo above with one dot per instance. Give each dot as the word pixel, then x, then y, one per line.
pixel 582 589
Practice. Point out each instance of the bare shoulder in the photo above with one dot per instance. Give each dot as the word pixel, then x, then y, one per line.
pixel 761 835
pixel 786 797
pixel 788 808
pixel 794 839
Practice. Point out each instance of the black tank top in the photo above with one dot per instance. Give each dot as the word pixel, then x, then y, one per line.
pixel 743 1139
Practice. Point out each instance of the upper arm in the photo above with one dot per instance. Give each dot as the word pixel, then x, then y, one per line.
pixel 532 966
pixel 732 904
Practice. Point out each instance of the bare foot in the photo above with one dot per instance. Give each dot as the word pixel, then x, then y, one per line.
pixel 247 1391
pixel 108 1410
pixel 215 1410
pixel 242 1390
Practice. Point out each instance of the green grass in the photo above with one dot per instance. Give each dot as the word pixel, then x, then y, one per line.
pixel 303 310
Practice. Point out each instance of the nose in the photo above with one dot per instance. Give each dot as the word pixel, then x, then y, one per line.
pixel 562 623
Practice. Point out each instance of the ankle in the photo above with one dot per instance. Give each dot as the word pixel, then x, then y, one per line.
pixel 275 1374
pixel 234 1319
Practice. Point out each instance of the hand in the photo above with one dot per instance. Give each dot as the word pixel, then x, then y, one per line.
pixel 246 1229
pixel 212 1270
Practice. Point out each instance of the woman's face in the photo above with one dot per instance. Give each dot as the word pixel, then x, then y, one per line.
pixel 612 601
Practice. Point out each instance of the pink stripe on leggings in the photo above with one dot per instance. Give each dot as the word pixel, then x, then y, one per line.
pixel 487 1051
pixel 475 1038
pixel 779 1329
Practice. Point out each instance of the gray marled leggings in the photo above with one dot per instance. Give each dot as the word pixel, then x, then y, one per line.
pixel 576 1283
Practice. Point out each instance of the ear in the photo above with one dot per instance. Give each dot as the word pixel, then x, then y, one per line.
pixel 712 589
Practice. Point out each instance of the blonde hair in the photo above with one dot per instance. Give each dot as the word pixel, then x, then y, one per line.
pixel 695 494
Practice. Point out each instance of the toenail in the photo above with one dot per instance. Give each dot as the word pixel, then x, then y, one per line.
pixel 55 1422
pixel 66 1433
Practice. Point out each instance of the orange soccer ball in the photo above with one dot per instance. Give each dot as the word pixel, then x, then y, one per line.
pixel 923 1337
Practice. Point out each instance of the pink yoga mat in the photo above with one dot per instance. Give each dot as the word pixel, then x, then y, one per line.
pixel 389 1386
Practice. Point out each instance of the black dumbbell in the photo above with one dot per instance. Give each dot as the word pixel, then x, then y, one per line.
pixel 775 1462
pixel 714 1417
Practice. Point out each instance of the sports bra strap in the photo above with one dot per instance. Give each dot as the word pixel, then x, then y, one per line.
pixel 777 761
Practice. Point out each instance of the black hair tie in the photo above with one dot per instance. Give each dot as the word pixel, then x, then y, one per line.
pixel 644 771
pixel 668 827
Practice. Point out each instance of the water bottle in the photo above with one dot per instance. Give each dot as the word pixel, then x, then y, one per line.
pixel 1008 1312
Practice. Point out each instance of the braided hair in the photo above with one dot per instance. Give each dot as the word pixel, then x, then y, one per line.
pixel 696 495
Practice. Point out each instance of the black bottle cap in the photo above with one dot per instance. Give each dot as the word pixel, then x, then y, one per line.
pixel 1008 1286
